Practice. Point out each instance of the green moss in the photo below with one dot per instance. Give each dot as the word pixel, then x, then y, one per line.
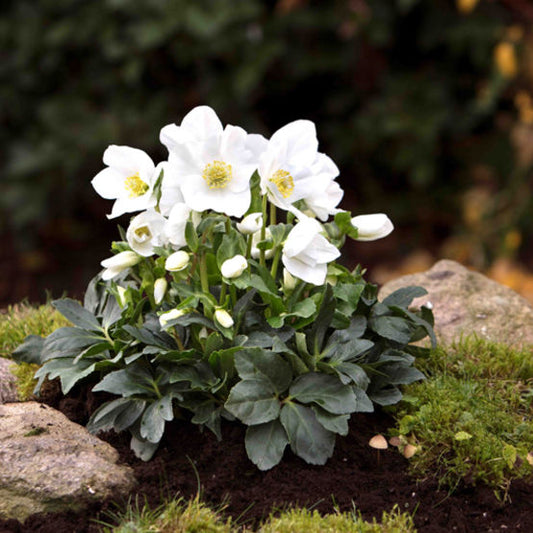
pixel 471 420
pixel 303 520
pixel 19 321
pixel 16 323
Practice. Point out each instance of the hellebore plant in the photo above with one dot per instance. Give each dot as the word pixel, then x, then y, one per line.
pixel 223 300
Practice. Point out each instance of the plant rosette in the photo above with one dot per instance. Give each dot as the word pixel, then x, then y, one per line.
pixel 224 300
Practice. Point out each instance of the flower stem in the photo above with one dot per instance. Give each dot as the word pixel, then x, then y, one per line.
pixel 203 274
pixel 263 230
pixel 275 263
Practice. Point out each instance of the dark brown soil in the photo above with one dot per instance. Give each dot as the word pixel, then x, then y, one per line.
pixel 356 477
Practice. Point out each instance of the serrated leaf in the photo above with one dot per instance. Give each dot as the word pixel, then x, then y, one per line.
pixel 68 372
pixel 78 315
pixel 253 401
pixel 354 374
pixel 324 390
pixel 256 363
pixel 67 341
pixel 117 414
pixel 404 296
pixel 392 327
pixel 364 403
pixel 154 418
pixel 335 423
pixel 307 437
pixel 265 444
pixel 126 382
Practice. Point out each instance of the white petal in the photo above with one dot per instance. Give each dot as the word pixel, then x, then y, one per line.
pixel 109 183
pixel 315 275
pixel 175 225
pixel 128 159
pixel 301 236
pixel 300 139
pixel 201 123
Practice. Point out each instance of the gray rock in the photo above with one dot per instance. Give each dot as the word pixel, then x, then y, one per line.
pixel 467 302
pixel 8 388
pixel 48 463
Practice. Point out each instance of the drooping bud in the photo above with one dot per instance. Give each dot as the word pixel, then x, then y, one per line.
pixel 165 318
pixel 177 261
pixel 372 227
pixel 119 262
pixel 250 224
pixel 160 289
pixel 234 267
pixel 289 281
pixel 223 318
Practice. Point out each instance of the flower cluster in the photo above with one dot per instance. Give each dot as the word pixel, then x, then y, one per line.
pixel 224 300
pixel 210 169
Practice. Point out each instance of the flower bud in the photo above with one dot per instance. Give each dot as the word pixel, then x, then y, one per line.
pixel 119 262
pixel 289 281
pixel 372 227
pixel 223 318
pixel 121 296
pixel 165 318
pixel 250 223
pixel 177 261
pixel 234 267
pixel 160 288
pixel 256 239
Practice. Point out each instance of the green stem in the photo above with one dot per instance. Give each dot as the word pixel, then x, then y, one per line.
pixel 223 289
pixel 203 274
pixel 275 262
pixel 272 215
pixel 263 229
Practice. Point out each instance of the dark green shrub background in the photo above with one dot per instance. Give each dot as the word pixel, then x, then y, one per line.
pixel 406 96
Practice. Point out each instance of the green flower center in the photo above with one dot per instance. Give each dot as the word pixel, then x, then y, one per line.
pixel 217 174
pixel 143 233
pixel 136 186
pixel 284 182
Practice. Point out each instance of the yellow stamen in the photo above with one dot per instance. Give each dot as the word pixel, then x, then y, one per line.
pixel 217 174
pixel 143 233
pixel 284 182
pixel 136 186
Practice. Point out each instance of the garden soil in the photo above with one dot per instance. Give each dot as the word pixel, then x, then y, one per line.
pixel 357 477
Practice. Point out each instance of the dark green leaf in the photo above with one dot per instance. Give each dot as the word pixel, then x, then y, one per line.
pixel 154 418
pixel 117 414
pixel 324 390
pixel 351 373
pixel 256 363
pixel 404 296
pixel 66 370
pixel 307 437
pixel 30 351
pixel 191 237
pixel 253 401
pixel 386 396
pixel 265 444
pixel 392 327
pixel 67 341
pixel 78 315
pixel 335 423
pixel 126 382
pixel 364 403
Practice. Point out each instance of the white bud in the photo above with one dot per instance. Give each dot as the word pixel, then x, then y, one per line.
pixel 289 281
pixel 372 227
pixel 256 239
pixel 234 267
pixel 223 318
pixel 121 296
pixel 160 289
pixel 250 223
pixel 177 261
pixel 165 318
pixel 119 262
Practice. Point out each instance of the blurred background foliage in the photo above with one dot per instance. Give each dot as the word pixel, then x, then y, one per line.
pixel 426 107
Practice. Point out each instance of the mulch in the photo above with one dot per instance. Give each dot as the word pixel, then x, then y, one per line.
pixel 356 477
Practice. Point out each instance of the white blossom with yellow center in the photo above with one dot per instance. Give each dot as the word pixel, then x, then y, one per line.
pixel 211 164
pixel 145 232
pixel 291 168
pixel 128 179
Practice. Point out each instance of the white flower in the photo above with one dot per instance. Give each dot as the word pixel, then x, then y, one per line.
pixel 175 226
pixel 119 262
pixel 286 168
pixel 372 227
pixel 256 239
pixel 145 232
pixel 213 164
pixel 324 198
pixel 234 267
pixel 250 223
pixel 223 318
pixel 177 261
pixel 165 318
pixel 160 288
pixel 129 180
pixel 306 253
